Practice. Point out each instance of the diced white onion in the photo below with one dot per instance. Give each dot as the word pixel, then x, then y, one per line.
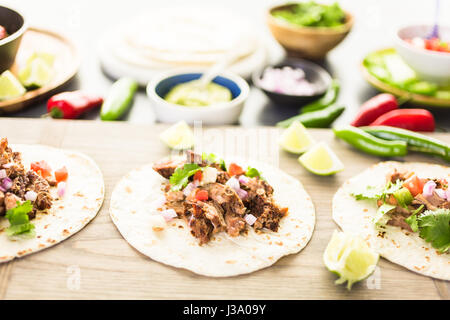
pixel 61 189
pixel 189 188
pixel 30 195
pixel 233 183
pixel 428 188
pixel 250 219
pixel 3 173
pixel 209 175
pixel 169 214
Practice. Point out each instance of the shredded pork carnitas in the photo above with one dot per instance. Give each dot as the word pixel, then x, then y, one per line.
pixel 221 208
pixel 21 182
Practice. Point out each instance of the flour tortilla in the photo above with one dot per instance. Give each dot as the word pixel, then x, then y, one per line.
pixel 133 204
pixel 81 202
pixel 182 37
pixel 397 245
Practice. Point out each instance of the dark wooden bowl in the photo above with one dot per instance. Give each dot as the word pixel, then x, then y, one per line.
pixel 15 26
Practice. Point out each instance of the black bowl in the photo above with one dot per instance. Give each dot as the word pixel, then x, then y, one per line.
pixel 313 73
pixel 15 26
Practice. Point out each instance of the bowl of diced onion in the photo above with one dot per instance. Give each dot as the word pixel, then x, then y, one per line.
pixel 293 82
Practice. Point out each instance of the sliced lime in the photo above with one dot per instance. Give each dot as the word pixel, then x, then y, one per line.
pixel 10 87
pixel 37 73
pixel 178 136
pixel 321 160
pixel 296 138
pixel 47 57
pixel 350 258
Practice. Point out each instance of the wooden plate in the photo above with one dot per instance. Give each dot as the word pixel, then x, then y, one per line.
pixel 416 99
pixel 65 67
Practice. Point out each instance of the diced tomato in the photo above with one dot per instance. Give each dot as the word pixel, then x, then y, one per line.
pixel 414 185
pixel 202 195
pixel 42 168
pixel 61 174
pixel 198 176
pixel 235 170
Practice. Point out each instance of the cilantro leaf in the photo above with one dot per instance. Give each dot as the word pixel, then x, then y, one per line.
pixel 412 219
pixel 434 227
pixel 180 178
pixel 19 221
pixel 223 166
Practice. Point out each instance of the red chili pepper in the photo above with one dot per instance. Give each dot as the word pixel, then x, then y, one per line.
pixel 410 119
pixel 3 33
pixel 70 105
pixel 202 195
pixel 373 108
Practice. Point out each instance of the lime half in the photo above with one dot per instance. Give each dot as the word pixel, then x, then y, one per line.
pixel 37 73
pixel 296 139
pixel 350 258
pixel 178 136
pixel 321 160
pixel 10 87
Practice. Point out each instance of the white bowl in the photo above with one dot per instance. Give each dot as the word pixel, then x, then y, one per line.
pixel 219 114
pixel 429 65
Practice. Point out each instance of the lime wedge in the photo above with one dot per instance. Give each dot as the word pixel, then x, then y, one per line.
pixel 321 160
pixel 10 87
pixel 47 57
pixel 178 136
pixel 37 73
pixel 296 139
pixel 350 258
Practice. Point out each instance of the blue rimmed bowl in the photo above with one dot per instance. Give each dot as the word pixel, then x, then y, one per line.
pixel 215 114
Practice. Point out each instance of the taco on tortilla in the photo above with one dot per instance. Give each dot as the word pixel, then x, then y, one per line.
pixel 212 217
pixel 403 211
pixel 46 195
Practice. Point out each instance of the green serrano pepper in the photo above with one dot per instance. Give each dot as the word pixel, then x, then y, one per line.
pixel 315 119
pixel 370 144
pixel 119 99
pixel 328 99
pixel 415 141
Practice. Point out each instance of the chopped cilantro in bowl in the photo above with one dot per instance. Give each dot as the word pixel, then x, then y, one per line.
pixel 311 14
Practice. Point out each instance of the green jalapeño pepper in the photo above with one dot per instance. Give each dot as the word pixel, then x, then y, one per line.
pixel 323 102
pixel 316 119
pixel 415 141
pixel 369 144
pixel 119 99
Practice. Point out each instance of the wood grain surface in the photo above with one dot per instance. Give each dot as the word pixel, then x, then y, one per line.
pixel 97 263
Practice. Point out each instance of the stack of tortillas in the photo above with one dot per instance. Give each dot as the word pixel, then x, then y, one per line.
pixel 165 39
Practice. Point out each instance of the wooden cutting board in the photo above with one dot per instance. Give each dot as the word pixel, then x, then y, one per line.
pixel 97 263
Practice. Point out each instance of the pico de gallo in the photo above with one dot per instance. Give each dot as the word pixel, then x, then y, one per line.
pixel 23 192
pixel 214 197
pixel 433 44
pixel 416 204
